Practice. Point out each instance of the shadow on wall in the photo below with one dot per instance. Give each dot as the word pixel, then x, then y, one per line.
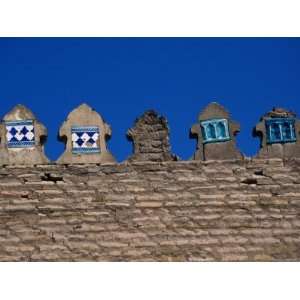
pixel 85 135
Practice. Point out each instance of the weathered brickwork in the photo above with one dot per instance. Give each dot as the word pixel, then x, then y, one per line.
pixel 239 210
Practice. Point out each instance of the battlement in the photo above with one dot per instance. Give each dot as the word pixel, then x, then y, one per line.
pixel 85 135
pixel 218 206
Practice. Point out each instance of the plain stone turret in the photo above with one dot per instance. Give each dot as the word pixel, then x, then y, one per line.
pixel 150 137
pixel 278 131
pixel 216 134
pixel 85 134
pixel 22 138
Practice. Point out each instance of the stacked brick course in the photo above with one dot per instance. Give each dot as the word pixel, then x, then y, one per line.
pixel 220 206
pixel 239 210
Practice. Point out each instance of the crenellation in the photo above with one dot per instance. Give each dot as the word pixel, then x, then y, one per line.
pixel 85 135
pixel 22 138
pixel 150 208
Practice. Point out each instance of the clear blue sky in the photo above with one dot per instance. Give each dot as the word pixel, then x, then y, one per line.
pixel 178 77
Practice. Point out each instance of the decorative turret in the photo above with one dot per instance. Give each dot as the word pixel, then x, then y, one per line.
pixel 278 131
pixel 22 138
pixel 85 134
pixel 216 134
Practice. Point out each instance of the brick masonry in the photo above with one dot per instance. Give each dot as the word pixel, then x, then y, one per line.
pixel 236 210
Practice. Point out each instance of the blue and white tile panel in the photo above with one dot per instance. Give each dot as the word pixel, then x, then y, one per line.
pixel 85 139
pixel 20 134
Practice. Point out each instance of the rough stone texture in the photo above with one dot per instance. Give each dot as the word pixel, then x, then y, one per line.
pixel 23 156
pixel 287 150
pixel 239 210
pixel 150 137
pixel 221 150
pixel 84 115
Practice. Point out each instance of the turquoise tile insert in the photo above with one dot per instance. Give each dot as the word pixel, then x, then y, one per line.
pixel 215 130
pixel 280 130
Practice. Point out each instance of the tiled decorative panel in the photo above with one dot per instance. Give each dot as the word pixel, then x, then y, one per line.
pixel 20 134
pixel 280 130
pixel 215 130
pixel 85 139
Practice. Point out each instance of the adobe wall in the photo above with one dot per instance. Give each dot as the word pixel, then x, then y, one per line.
pixel 235 210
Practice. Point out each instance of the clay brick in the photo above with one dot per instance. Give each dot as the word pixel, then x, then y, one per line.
pixel 130 235
pixel 211 197
pixel 10 183
pixel 265 240
pixel 146 212
pixel 148 204
pixel 150 197
pixel 234 257
pixel 113 244
pixel 118 197
pixel 231 250
pixel 137 253
pixel 204 241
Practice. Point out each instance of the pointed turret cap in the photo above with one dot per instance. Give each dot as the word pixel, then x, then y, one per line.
pixel 216 134
pixel 22 138
pixel 85 134
pixel 284 142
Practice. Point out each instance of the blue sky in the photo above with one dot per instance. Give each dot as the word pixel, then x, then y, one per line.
pixel 178 77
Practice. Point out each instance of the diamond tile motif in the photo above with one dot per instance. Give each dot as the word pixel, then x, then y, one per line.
pixel 85 139
pixel 20 134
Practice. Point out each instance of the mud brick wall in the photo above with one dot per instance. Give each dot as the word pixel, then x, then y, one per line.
pixel 240 210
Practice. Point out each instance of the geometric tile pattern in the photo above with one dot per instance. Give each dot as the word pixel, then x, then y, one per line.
pixel 215 130
pixel 85 139
pixel 20 134
pixel 280 130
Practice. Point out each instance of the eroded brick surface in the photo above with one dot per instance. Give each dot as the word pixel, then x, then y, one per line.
pixel 172 211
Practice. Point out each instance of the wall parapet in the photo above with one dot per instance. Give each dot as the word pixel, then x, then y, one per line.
pixel 85 135
pixel 234 210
